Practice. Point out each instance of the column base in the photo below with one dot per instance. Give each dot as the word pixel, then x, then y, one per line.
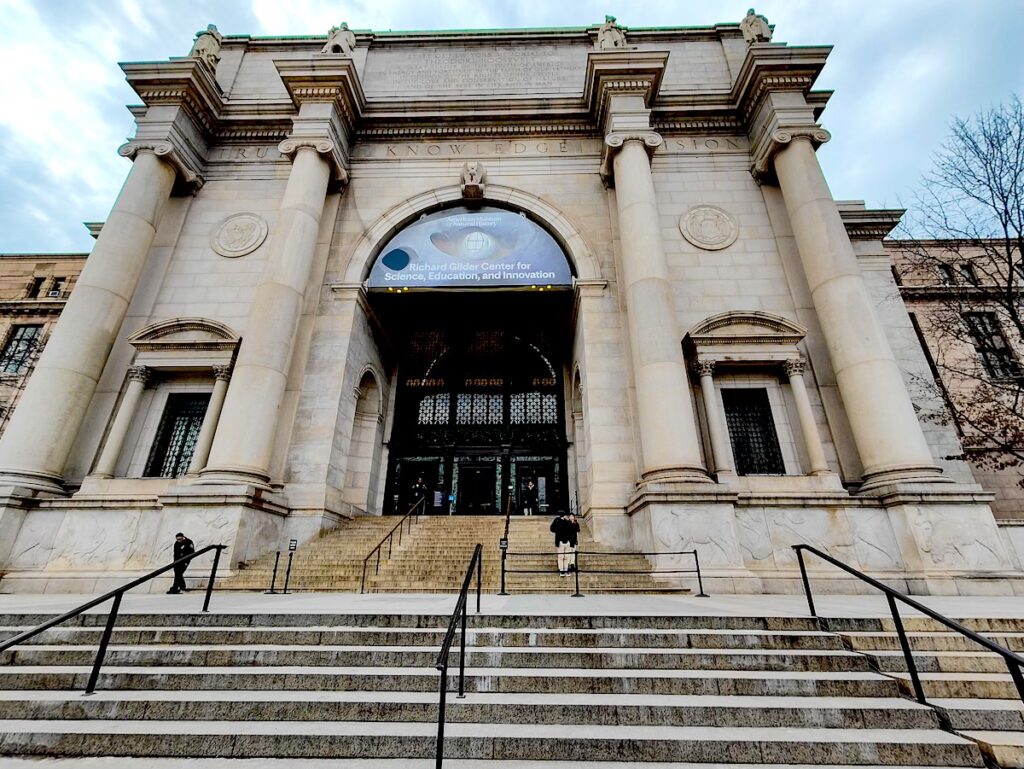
pixel 675 474
pixel 39 482
pixel 220 476
pixel 876 479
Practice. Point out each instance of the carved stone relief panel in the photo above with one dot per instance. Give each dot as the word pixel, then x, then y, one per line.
pixel 238 235
pixel 709 227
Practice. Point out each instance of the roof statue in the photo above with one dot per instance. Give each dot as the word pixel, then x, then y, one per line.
pixel 755 28
pixel 340 41
pixel 207 46
pixel 610 36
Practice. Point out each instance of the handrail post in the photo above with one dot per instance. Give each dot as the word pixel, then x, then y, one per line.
pixel 104 641
pixel 504 555
pixel 908 654
pixel 273 577
pixel 213 576
pixel 443 692
pixel 479 576
pixel 362 582
pixel 462 653
pixel 1015 674
pixel 288 573
pixel 807 584
pixel 700 582
pixel 576 572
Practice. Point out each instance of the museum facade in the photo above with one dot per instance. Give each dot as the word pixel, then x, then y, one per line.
pixel 347 273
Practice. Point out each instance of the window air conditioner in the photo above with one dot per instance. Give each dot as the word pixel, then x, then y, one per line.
pixel 55 292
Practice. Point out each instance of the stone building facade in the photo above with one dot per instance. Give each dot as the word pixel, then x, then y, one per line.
pixel 33 291
pixel 962 298
pixel 602 259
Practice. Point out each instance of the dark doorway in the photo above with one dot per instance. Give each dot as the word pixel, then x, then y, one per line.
pixel 477 494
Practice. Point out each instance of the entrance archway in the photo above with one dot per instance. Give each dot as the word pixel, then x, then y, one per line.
pixel 477 307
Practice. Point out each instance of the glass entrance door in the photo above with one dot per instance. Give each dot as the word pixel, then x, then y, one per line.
pixel 477 485
pixel 543 493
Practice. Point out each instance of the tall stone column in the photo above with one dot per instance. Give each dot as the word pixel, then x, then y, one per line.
pixel 138 376
pixel 885 428
pixel 720 450
pixel 670 446
pixel 39 437
pixel 221 375
pixel 794 368
pixel 327 92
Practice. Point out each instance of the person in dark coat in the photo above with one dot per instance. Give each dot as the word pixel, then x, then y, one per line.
pixel 530 498
pixel 566 530
pixel 183 546
pixel 418 492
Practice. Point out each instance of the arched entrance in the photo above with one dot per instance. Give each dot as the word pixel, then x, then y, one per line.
pixel 476 304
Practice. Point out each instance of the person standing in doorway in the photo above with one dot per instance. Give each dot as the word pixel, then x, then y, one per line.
pixel 419 492
pixel 183 546
pixel 530 498
pixel 566 530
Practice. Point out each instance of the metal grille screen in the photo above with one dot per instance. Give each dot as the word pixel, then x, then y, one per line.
pixel 755 445
pixel 176 437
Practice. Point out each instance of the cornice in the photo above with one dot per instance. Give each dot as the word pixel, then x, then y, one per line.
pixel 870 224
pixel 775 67
pixel 633 72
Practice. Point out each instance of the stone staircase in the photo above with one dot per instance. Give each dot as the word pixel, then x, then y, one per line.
pixel 594 690
pixel 433 558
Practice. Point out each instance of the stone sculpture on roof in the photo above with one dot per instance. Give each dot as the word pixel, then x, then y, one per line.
pixel 755 28
pixel 340 41
pixel 207 46
pixel 610 36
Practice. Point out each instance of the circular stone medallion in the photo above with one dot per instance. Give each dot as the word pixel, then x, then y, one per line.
pixel 239 235
pixel 708 227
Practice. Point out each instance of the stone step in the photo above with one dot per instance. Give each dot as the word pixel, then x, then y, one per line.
pixel 342 739
pixel 924 642
pixel 1006 749
pixel 977 713
pixel 636 658
pixel 997 686
pixel 382 763
pixel 755 683
pixel 568 709
pixel 504 637
pixel 937 662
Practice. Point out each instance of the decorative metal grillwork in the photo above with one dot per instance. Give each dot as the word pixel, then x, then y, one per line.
pixel 533 408
pixel 996 355
pixel 755 445
pixel 434 409
pixel 176 437
pixel 478 409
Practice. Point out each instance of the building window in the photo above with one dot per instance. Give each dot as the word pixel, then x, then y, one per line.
pixel 57 287
pixel 177 434
pixel 968 274
pixel 987 338
pixel 35 287
pixel 20 349
pixel 755 444
pixel 946 276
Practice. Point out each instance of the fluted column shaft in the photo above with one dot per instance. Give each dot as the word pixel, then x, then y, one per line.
pixel 138 376
pixel 670 445
pixel 221 375
pixel 44 426
pixel 721 453
pixel 884 425
pixel 808 427
pixel 244 443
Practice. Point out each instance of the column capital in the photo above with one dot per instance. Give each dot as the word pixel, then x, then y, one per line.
pixel 183 106
pixel 703 367
pixel 769 145
pixel 139 374
pixel 794 366
pixel 222 373
pixel 330 100
pixel 615 141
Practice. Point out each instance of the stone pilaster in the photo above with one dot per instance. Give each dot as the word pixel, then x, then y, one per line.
pixel 329 98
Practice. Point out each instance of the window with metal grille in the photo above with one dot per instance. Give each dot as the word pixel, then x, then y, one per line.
pixel 20 349
pixel 533 408
pixel 946 276
pixel 434 409
pixel 176 437
pixel 478 409
pixel 755 445
pixel 987 338
pixel 968 274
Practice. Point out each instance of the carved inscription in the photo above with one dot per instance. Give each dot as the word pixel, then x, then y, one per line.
pixel 254 153
pixel 537 148
pixel 468 69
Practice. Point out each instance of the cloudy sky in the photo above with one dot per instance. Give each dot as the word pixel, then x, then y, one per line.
pixel 900 69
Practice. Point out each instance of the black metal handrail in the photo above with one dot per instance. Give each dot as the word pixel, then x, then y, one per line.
pixel 411 516
pixel 1013 660
pixel 578 569
pixel 117 594
pixel 475 564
